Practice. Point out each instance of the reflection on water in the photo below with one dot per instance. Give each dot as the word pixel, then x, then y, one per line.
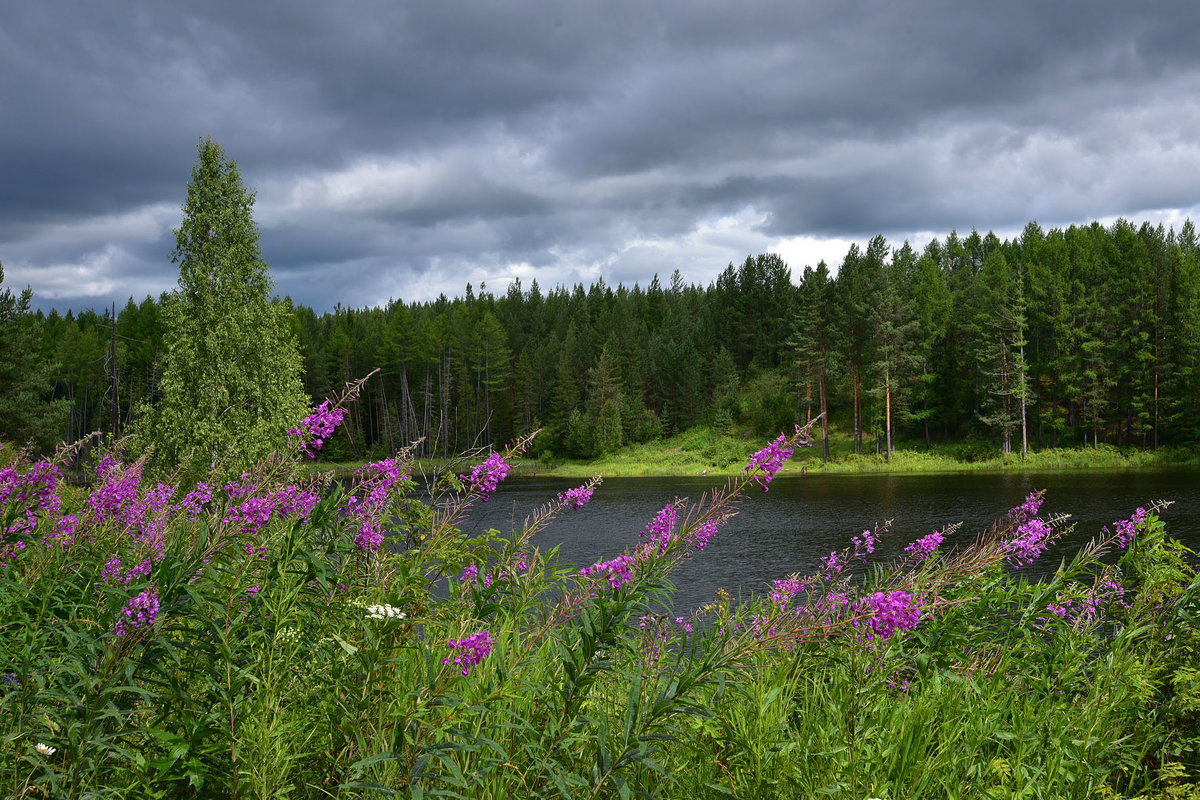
pixel 803 518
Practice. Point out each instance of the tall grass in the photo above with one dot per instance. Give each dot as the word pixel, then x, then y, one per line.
pixel 256 637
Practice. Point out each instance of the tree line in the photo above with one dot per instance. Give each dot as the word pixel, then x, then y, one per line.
pixel 1066 337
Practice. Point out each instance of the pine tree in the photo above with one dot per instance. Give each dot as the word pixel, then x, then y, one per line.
pixel 25 377
pixel 231 374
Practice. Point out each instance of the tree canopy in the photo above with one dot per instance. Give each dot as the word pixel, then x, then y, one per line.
pixel 231 370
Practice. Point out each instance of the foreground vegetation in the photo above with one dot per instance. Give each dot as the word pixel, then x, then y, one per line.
pixel 254 637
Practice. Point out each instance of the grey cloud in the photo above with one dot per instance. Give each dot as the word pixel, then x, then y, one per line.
pixel 558 136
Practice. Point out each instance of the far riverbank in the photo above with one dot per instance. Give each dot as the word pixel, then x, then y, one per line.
pixel 705 452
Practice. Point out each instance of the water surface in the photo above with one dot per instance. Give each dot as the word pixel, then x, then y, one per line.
pixel 803 518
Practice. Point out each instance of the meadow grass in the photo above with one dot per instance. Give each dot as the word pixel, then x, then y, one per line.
pixel 704 451
pixel 256 636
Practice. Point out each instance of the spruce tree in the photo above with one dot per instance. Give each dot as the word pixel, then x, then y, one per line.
pixel 26 414
pixel 231 374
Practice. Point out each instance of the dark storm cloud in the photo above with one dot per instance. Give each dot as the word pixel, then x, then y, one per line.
pixel 405 149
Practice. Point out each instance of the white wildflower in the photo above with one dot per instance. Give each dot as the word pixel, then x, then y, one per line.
pixel 288 635
pixel 384 612
pixel 45 749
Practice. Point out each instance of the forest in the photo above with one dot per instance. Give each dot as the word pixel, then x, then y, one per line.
pixel 1056 338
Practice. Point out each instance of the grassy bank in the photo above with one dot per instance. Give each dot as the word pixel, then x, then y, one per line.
pixel 254 638
pixel 703 451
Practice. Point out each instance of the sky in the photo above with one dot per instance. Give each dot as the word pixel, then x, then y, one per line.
pixel 401 150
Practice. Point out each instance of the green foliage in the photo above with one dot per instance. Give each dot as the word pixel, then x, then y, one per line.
pixel 26 416
pixel 288 659
pixel 231 375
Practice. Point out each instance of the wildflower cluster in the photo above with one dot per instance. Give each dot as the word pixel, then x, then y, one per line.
pixel 577 497
pixel 384 611
pixel 617 571
pixel 766 463
pixel 485 477
pixel 1088 608
pixel 1031 536
pixel 862 545
pixel 923 549
pixel 1127 528
pixel 883 613
pixel 252 514
pixel 471 650
pixel 28 496
pixel 194 501
pixel 373 485
pixel 139 612
pixel 315 429
pixel 784 590
pixel 1030 542
pixel 659 534
pixel 700 536
pixel 117 500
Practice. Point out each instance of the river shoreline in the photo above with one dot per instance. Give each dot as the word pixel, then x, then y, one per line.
pixel 702 452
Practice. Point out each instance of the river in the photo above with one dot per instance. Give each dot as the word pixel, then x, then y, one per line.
pixel 803 518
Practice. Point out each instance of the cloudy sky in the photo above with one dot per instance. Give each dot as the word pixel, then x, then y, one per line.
pixel 401 149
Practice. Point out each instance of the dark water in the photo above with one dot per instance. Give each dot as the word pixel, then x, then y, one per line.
pixel 803 518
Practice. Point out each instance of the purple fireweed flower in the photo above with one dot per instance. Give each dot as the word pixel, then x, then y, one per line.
pixel 575 498
pixel 140 571
pixel 32 493
pixel 117 490
pixel 701 536
pixel 472 650
pixel 63 533
pixel 659 533
pixel 236 491
pixel 885 613
pixel 315 429
pixel 618 571
pixel 373 484
pixel 922 549
pixel 1062 611
pixel 377 479
pixel 766 463
pixel 1087 609
pixel 863 544
pixel 486 476
pixel 292 501
pixel 8 551
pixel 370 536
pixel 784 590
pixel 1027 510
pixel 251 515
pixel 139 612
pixel 112 568
pixel 1030 541
pixel 832 566
pixel 1127 528
pixel 195 500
